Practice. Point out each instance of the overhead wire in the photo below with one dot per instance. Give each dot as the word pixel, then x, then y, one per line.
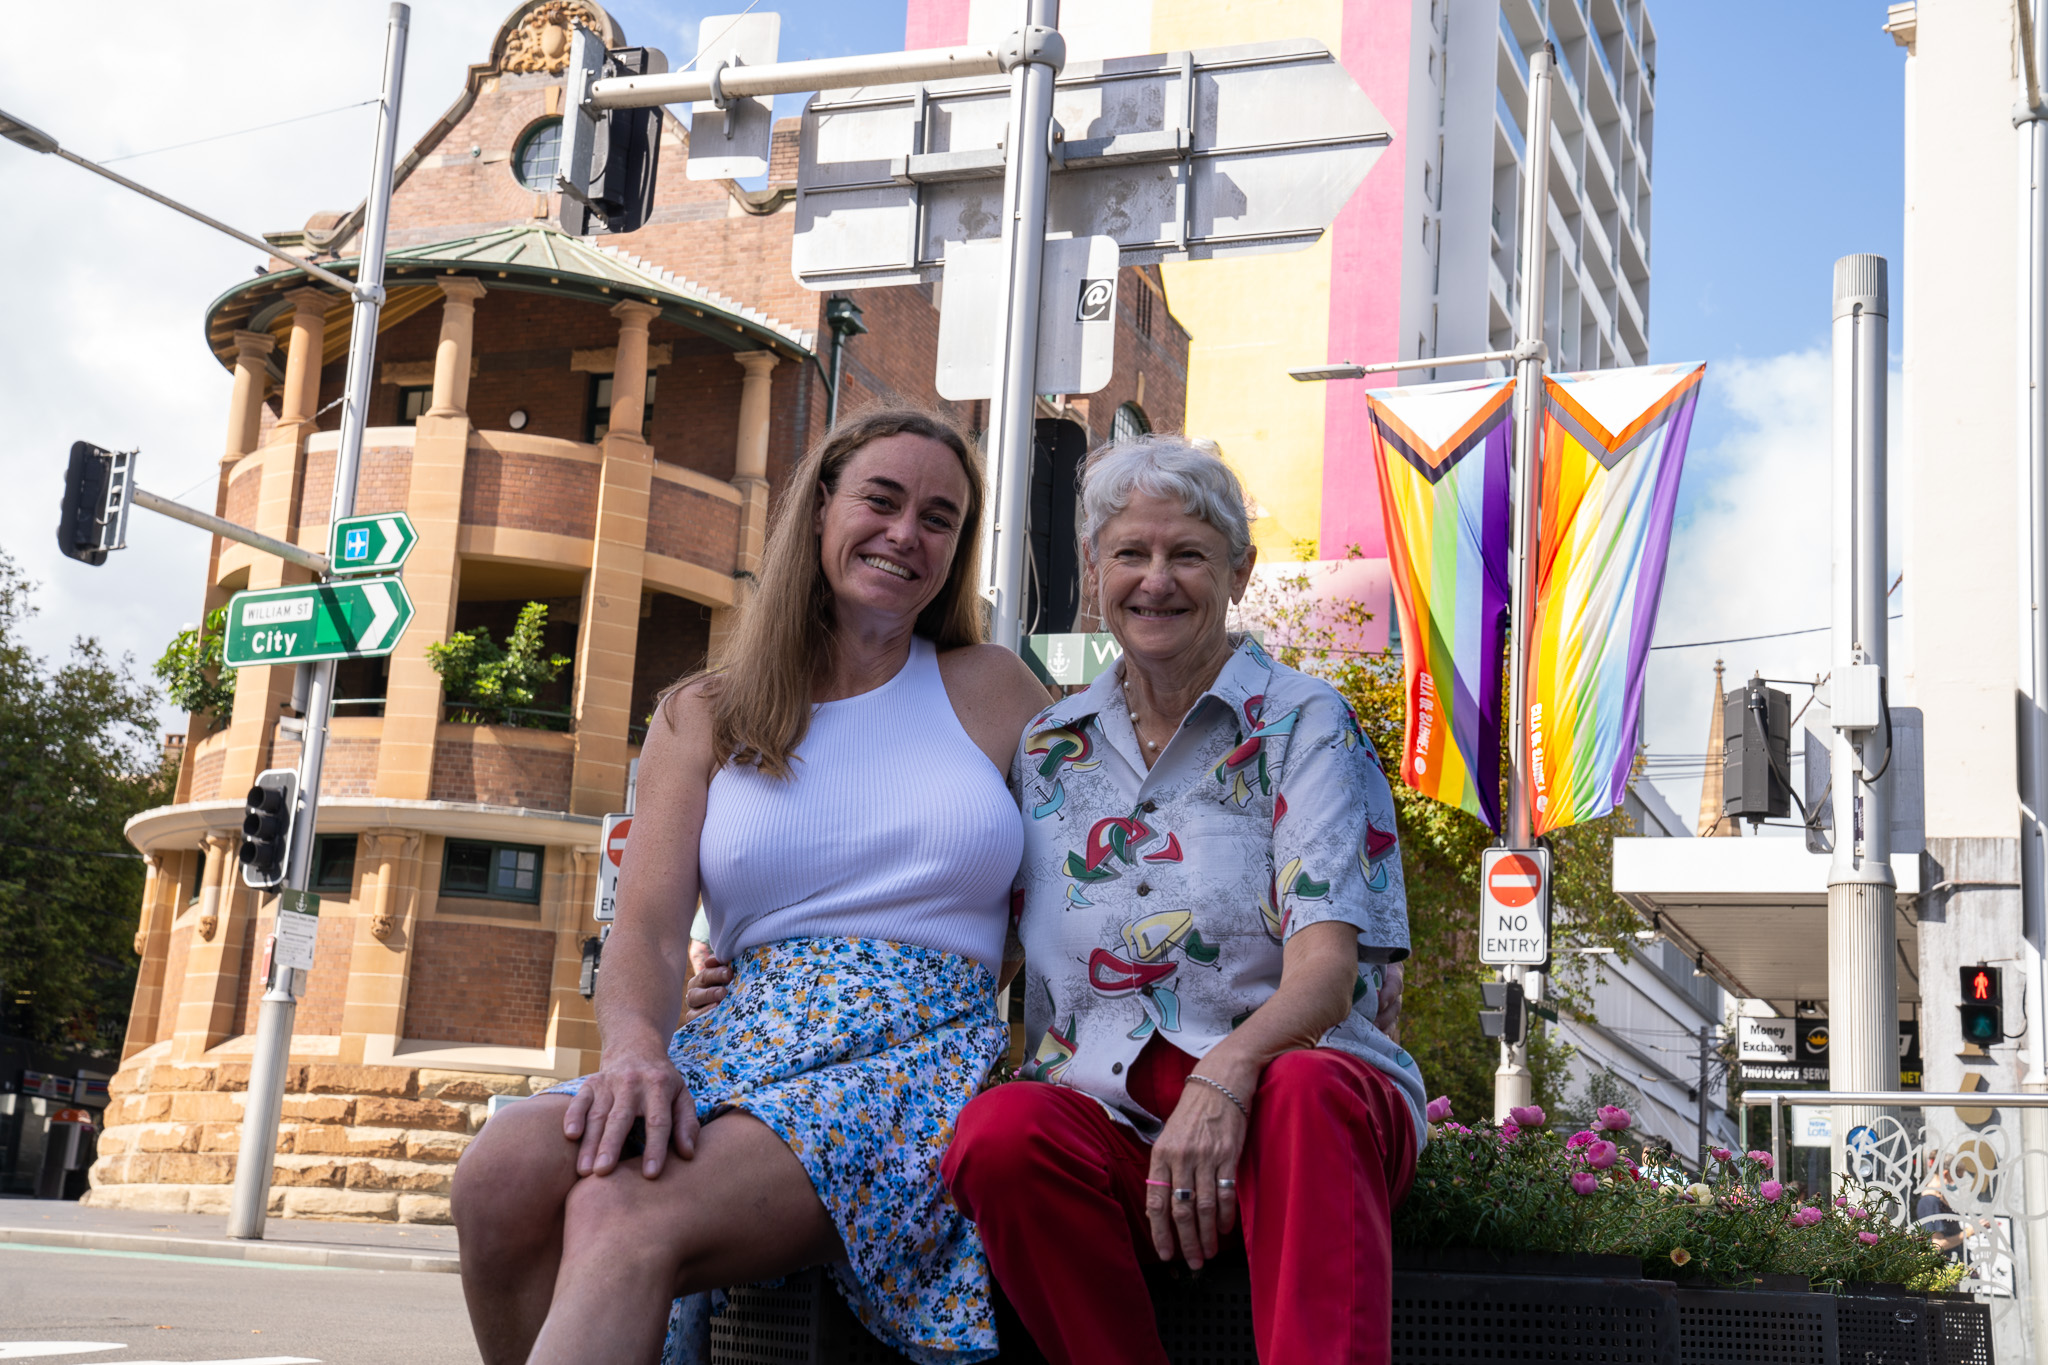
pixel 239 132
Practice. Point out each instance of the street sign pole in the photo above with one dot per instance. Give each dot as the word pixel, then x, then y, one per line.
pixel 1512 1083
pixel 249 1208
pixel 1040 54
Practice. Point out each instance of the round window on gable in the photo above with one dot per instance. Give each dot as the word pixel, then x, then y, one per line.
pixel 537 155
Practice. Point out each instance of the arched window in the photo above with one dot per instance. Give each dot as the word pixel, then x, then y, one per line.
pixel 1130 421
pixel 539 151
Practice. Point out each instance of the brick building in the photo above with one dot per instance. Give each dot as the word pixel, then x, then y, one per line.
pixel 598 425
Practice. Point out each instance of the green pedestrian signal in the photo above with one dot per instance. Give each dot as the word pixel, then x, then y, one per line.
pixel 359 620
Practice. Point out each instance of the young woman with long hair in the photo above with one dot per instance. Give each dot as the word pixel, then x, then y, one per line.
pixel 835 789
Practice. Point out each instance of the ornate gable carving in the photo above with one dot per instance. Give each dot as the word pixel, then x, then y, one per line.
pixel 539 42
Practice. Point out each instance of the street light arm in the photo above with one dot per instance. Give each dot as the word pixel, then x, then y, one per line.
pixel 36 140
pixel 788 78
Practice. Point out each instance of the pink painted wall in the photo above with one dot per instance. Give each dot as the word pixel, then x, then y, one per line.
pixel 1368 241
pixel 935 23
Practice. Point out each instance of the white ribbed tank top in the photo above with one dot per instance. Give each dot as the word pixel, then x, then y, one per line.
pixel 893 825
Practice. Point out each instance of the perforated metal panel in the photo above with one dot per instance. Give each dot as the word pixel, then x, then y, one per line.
pixel 1525 1318
pixel 1748 1327
pixel 1204 1318
pixel 1883 1331
pixel 761 1326
pixel 1961 1331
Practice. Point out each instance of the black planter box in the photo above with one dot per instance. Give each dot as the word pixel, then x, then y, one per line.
pixel 1453 1306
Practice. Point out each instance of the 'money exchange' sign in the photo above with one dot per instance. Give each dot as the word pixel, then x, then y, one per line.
pixel 361 620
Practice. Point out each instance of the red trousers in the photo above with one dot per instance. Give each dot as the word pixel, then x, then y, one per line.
pixel 1057 1188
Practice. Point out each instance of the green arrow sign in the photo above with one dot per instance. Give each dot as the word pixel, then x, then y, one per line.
pixel 372 544
pixel 360 620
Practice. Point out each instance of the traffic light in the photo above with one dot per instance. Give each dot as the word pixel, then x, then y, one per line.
pixel 99 486
pixel 608 156
pixel 267 828
pixel 1756 753
pixel 1503 1017
pixel 1983 1016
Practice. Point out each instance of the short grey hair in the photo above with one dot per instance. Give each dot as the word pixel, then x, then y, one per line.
pixel 1164 466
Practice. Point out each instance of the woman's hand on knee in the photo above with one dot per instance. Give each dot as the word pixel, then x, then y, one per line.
pixel 706 988
pixel 630 1089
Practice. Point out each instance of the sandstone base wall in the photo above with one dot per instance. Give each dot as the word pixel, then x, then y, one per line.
pixel 366 1143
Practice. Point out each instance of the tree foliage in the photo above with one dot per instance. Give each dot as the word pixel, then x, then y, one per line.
pixel 77 759
pixel 490 684
pixel 1440 849
pixel 192 672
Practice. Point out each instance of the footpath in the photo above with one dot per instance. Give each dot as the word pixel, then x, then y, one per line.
pixel 287 1241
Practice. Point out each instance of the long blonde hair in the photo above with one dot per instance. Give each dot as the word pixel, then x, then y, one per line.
pixel 761 692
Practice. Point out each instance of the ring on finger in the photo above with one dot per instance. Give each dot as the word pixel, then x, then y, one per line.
pixel 1225 1185
pixel 1183 1196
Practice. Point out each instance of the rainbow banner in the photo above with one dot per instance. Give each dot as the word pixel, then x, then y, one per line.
pixel 1613 448
pixel 1442 454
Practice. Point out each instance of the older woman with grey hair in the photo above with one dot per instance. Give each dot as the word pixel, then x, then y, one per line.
pixel 1209 912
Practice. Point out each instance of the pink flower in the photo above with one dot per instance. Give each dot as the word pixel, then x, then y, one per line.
pixel 1439 1109
pixel 1585 1182
pixel 1602 1155
pixel 1582 1138
pixel 1719 1153
pixel 1854 1211
pixel 1509 1132
pixel 1762 1159
pixel 1869 1239
pixel 1841 1201
pixel 1807 1217
pixel 1527 1115
pixel 1460 1129
pixel 1771 1190
pixel 1611 1119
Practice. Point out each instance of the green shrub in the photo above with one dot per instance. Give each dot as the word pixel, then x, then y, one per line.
pixel 490 685
pixel 192 673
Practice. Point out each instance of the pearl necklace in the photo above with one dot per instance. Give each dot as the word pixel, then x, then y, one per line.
pixel 1131 706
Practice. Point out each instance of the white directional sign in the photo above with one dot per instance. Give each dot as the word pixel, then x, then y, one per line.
pixel 611 855
pixel 1514 906
pixel 1177 156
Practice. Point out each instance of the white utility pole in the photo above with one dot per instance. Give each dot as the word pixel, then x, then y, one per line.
pixel 1512 1083
pixel 251 1200
pixel 2031 738
pixel 1863 1009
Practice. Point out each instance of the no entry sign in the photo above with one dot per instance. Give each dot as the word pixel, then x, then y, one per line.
pixel 1514 906
pixel 611 852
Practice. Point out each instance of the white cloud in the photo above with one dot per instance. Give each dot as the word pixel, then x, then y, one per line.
pixel 105 292
pixel 1751 552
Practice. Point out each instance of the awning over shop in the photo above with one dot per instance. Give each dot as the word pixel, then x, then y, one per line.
pixel 533 258
pixel 1755 911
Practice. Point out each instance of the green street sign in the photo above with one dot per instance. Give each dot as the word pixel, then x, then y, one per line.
pixel 374 544
pixel 360 620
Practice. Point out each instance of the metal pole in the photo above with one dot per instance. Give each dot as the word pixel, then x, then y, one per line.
pixel 1011 424
pixel 1863 1011
pixel 1511 1082
pixel 228 530
pixel 1701 1096
pixel 251 1201
pixel 2031 735
pixel 832 395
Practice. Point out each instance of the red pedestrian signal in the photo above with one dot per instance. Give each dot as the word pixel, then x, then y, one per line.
pixel 1983 1019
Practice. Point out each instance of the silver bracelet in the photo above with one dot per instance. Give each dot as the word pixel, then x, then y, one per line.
pixel 1225 1091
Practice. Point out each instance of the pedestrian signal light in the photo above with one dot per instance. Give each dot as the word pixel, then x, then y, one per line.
pixel 1981 1007
pixel 267 828
pixel 1504 1017
pixel 608 156
pixel 99 487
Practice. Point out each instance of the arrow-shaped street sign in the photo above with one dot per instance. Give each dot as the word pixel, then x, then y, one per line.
pixel 360 620
pixel 378 543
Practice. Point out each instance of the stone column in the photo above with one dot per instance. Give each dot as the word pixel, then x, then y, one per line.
pixel 451 355
pixel 150 944
pixel 259 691
pixel 573 1021
pixel 609 635
pixel 381 954
pixel 440 454
pixel 213 975
pixel 750 476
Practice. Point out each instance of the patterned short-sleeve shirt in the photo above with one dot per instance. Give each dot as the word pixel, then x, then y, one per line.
pixel 1156 902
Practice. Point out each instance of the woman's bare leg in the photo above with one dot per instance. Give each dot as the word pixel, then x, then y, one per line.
pixel 508 1197
pixel 742 1210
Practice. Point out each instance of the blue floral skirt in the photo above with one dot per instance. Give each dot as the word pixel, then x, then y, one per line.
pixel 860 1054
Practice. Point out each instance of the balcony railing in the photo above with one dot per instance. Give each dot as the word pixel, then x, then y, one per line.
pixel 1513 129
pixel 1507 32
pixel 520 717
